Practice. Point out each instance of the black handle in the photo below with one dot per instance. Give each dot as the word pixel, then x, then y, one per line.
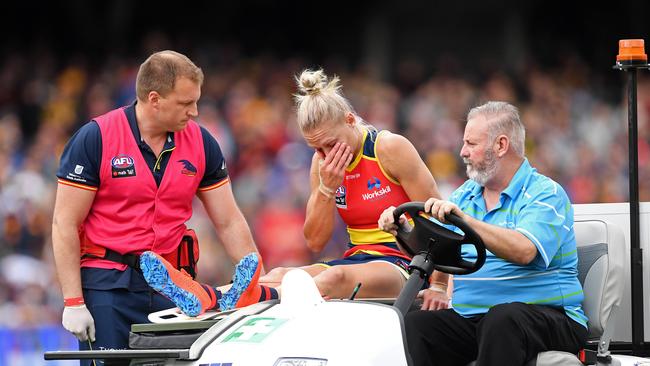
pixel 443 244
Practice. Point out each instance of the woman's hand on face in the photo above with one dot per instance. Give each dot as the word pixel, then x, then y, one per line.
pixel 332 168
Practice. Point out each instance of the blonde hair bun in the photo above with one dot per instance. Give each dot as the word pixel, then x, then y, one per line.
pixel 319 99
pixel 312 82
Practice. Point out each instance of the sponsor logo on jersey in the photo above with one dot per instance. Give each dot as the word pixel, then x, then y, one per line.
pixel 374 184
pixel 376 194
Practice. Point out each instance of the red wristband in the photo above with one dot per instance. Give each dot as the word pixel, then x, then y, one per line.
pixel 73 301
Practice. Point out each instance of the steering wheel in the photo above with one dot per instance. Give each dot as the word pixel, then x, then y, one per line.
pixel 443 244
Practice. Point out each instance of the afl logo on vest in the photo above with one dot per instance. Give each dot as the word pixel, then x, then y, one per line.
pixel 122 166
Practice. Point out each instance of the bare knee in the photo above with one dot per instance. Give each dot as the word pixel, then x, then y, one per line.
pixel 275 275
pixel 331 281
pixel 281 271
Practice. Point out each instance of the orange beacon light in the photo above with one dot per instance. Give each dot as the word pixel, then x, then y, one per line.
pixel 631 52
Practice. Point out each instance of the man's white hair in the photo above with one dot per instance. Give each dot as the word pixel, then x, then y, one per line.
pixel 503 120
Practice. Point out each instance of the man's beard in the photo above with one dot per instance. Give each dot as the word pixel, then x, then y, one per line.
pixel 483 172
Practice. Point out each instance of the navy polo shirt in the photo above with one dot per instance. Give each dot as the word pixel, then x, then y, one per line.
pixel 80 164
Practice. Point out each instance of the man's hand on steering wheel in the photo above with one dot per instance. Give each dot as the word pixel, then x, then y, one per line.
pixel 439 209
pixel 386 221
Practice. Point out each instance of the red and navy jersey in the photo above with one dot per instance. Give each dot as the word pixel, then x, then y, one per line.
pixel 367 190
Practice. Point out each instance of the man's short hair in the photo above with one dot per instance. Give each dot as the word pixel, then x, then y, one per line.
pixel 503 120
pixel 160 71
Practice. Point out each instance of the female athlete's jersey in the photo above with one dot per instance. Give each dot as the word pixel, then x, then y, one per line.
pixel 367 190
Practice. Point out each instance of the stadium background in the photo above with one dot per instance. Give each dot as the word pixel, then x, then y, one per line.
pixel 409 66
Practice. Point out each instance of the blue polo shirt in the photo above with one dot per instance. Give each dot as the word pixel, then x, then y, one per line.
pixel 84 149
pixel 538 208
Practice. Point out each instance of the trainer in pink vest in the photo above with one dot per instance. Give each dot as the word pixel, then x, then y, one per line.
pixel 130 213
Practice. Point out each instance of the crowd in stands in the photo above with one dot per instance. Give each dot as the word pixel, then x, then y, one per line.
pixel 576 134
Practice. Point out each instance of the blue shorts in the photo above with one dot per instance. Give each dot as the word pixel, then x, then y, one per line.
pixel 366 258
pixel 400 263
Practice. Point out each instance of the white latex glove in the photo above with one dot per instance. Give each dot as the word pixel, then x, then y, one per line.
pixel 78 321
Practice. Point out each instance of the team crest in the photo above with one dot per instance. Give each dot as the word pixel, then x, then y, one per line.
pixel 188 169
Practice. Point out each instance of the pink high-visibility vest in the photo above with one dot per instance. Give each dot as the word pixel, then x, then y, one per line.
pixel 130 213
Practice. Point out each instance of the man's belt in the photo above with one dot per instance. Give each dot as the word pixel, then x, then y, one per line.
pixel 184 257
